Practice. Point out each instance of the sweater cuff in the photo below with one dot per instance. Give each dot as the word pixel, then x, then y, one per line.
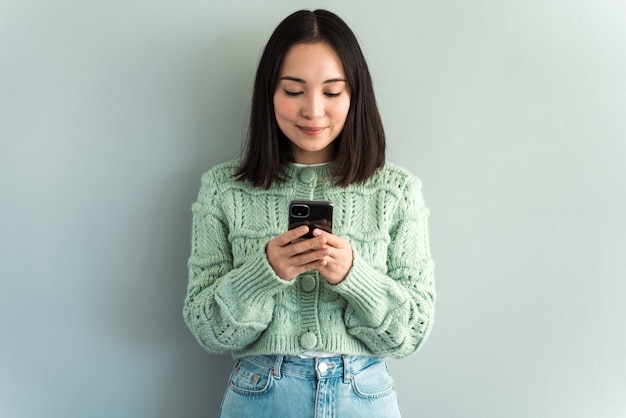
pixel 367 290
pixel 253 284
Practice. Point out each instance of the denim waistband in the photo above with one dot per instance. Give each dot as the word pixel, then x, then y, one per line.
pixel 321 367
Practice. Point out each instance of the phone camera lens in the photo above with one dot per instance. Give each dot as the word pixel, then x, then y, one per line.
pixel 300 211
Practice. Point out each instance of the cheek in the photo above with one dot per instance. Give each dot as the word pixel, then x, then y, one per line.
pixel 340 111
pixel 284 109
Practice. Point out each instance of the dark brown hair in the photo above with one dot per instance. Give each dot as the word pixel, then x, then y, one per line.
pixel 359 148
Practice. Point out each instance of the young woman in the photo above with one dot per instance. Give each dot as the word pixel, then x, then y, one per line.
pixel 310 320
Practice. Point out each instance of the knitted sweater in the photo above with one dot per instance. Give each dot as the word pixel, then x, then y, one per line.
pixel 236 303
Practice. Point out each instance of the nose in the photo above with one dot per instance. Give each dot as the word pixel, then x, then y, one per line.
pixel 313 107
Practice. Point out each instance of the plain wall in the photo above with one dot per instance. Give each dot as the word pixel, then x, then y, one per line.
pixel 512 114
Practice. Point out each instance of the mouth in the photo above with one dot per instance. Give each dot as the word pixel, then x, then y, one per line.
pixel 312 130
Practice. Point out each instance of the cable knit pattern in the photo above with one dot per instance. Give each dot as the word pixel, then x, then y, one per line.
pixel 236 303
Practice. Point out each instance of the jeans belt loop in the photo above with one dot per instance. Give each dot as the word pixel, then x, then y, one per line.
pixel 347 374
pixel 278 362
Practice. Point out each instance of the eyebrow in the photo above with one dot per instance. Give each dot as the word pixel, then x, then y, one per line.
pixel 299 80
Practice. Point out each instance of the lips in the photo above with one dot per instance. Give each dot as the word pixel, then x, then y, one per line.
pixel 312 130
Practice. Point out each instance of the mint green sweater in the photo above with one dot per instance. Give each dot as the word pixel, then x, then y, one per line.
pixel 236 303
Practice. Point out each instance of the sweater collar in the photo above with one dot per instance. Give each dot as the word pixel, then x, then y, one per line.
pixel 323 170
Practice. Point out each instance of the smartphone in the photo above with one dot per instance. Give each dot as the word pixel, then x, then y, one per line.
pixel 314 213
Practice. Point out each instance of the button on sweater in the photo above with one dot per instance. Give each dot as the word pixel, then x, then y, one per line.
pixel 236 303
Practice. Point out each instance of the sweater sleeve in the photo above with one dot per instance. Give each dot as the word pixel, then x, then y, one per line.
pixel 226 308
pixel 392 312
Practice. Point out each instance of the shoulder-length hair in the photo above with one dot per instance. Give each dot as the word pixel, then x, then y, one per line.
pixel 359 148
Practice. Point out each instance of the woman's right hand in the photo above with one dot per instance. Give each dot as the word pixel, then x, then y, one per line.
pixel 290 255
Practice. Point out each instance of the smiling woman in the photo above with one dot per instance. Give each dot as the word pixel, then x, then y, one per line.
pixel 310 318
pixel 359 149
pixel 311 101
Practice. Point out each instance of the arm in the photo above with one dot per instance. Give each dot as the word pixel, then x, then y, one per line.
pixel 392 313
pixel 226 308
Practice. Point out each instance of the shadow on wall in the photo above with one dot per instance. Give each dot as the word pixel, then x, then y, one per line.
pixel 219 89
pixel 149 307
pixel 145 312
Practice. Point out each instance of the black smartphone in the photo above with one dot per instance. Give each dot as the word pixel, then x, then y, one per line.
pixel 314 213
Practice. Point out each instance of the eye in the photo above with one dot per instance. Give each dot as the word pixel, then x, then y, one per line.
pixel 292 93
pixel 332 94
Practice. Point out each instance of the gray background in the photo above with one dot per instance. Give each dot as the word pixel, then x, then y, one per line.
pixel 511 112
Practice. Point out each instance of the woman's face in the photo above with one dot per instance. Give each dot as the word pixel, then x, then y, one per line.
pixel 311 101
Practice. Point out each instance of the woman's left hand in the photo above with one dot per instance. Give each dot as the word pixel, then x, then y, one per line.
pixel 336 265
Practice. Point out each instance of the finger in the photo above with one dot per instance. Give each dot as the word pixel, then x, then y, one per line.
pixel 332 240
pixel 313 265
pixel 310 257
pixel 289 267
pixel 286 238
pixel 308 245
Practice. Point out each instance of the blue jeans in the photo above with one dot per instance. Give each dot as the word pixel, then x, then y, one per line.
pixel 279 386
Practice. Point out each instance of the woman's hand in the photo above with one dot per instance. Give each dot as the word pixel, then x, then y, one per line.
pixel 290 255
pixel 337 262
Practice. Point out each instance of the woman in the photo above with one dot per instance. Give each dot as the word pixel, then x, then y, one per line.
pixel 310 320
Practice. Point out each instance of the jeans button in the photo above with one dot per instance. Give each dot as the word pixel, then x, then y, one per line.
pixel 322 367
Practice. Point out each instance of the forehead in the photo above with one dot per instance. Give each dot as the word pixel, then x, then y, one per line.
pixel 312 61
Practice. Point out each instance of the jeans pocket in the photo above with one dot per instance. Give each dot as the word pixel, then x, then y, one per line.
pixel 374 381
pixel 250 381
